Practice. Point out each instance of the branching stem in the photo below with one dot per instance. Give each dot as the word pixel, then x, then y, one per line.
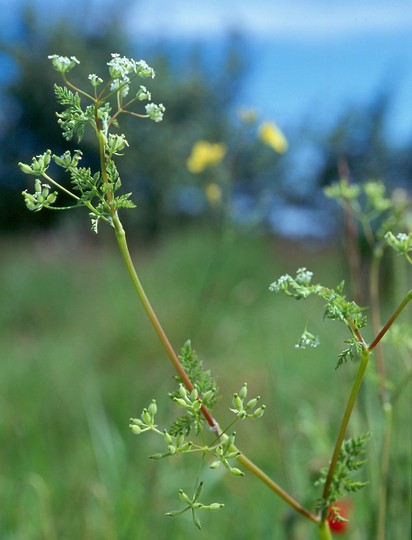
pixel 242 459
pixel 391 320
pixel 365 355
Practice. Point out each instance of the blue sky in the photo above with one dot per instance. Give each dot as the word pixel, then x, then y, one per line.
pixel 304 56
pixel 300 20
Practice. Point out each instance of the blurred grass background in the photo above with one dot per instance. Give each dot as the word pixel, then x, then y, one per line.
pixel 79 358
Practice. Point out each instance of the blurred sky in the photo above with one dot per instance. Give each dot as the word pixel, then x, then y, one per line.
pixel 299 20
pixel 305 58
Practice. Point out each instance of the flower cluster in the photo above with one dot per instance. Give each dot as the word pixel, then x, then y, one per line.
pixel 307 340
pixel 402 243
pixel 63 64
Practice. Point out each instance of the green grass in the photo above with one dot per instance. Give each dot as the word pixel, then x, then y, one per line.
pixel 79 358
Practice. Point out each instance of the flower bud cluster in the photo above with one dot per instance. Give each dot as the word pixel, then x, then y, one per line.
pixel 402 242
pixel 193 504
pixel 63 64
pixel 307 340
pixel 342 190
pixel 146 422
pixel 226 451
pixel 245 410
pixel 115 144
pixel 176 445
pixel 41 198
pixel 143 93
pixel 68 161
pixel 121 67
pixel 188 400
pixel 155 112
pixel 95 80
pixel 39 164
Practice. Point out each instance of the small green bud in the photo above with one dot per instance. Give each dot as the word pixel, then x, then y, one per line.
pixel 252 403
pixel 198 491
pixel 29 200
pixel 45 191
pixel 172 449
pixel 197 405
pixel 181 402
pixel 243 391
pixel 152 408
pixel 215 464
pixel 167 437
pixel 135 429
pixel 236 472
pixel 180 439
pixel 51 198
pixel 95 80
pixel 143 94
pixel 230 440
pixel 232 455
pixel 208 395
pixel 184 497
pixel 215 506
pixel 47 158
pixel 158 456
pixel 25 168
pixel 237 402
pixel 194 394
pixel 259 412
pixel 196 520
pixel 185 447
pixel 146 417
pixel 182 391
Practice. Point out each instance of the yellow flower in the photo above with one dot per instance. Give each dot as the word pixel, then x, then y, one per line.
pixel 213 193
pixel 205 154
pixel 270 134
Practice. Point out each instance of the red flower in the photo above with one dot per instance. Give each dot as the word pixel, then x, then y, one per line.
pixel 343 509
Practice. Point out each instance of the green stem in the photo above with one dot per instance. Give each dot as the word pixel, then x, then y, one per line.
pixel 391 320
pixel 383 493
pixel 78 90
pixel 365 355
pixel 121 240
pixel 376 324
pixel 324 531
pixel 254 469
pixel 62 188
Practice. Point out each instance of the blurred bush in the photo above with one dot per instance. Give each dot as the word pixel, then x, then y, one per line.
pixel 200 98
